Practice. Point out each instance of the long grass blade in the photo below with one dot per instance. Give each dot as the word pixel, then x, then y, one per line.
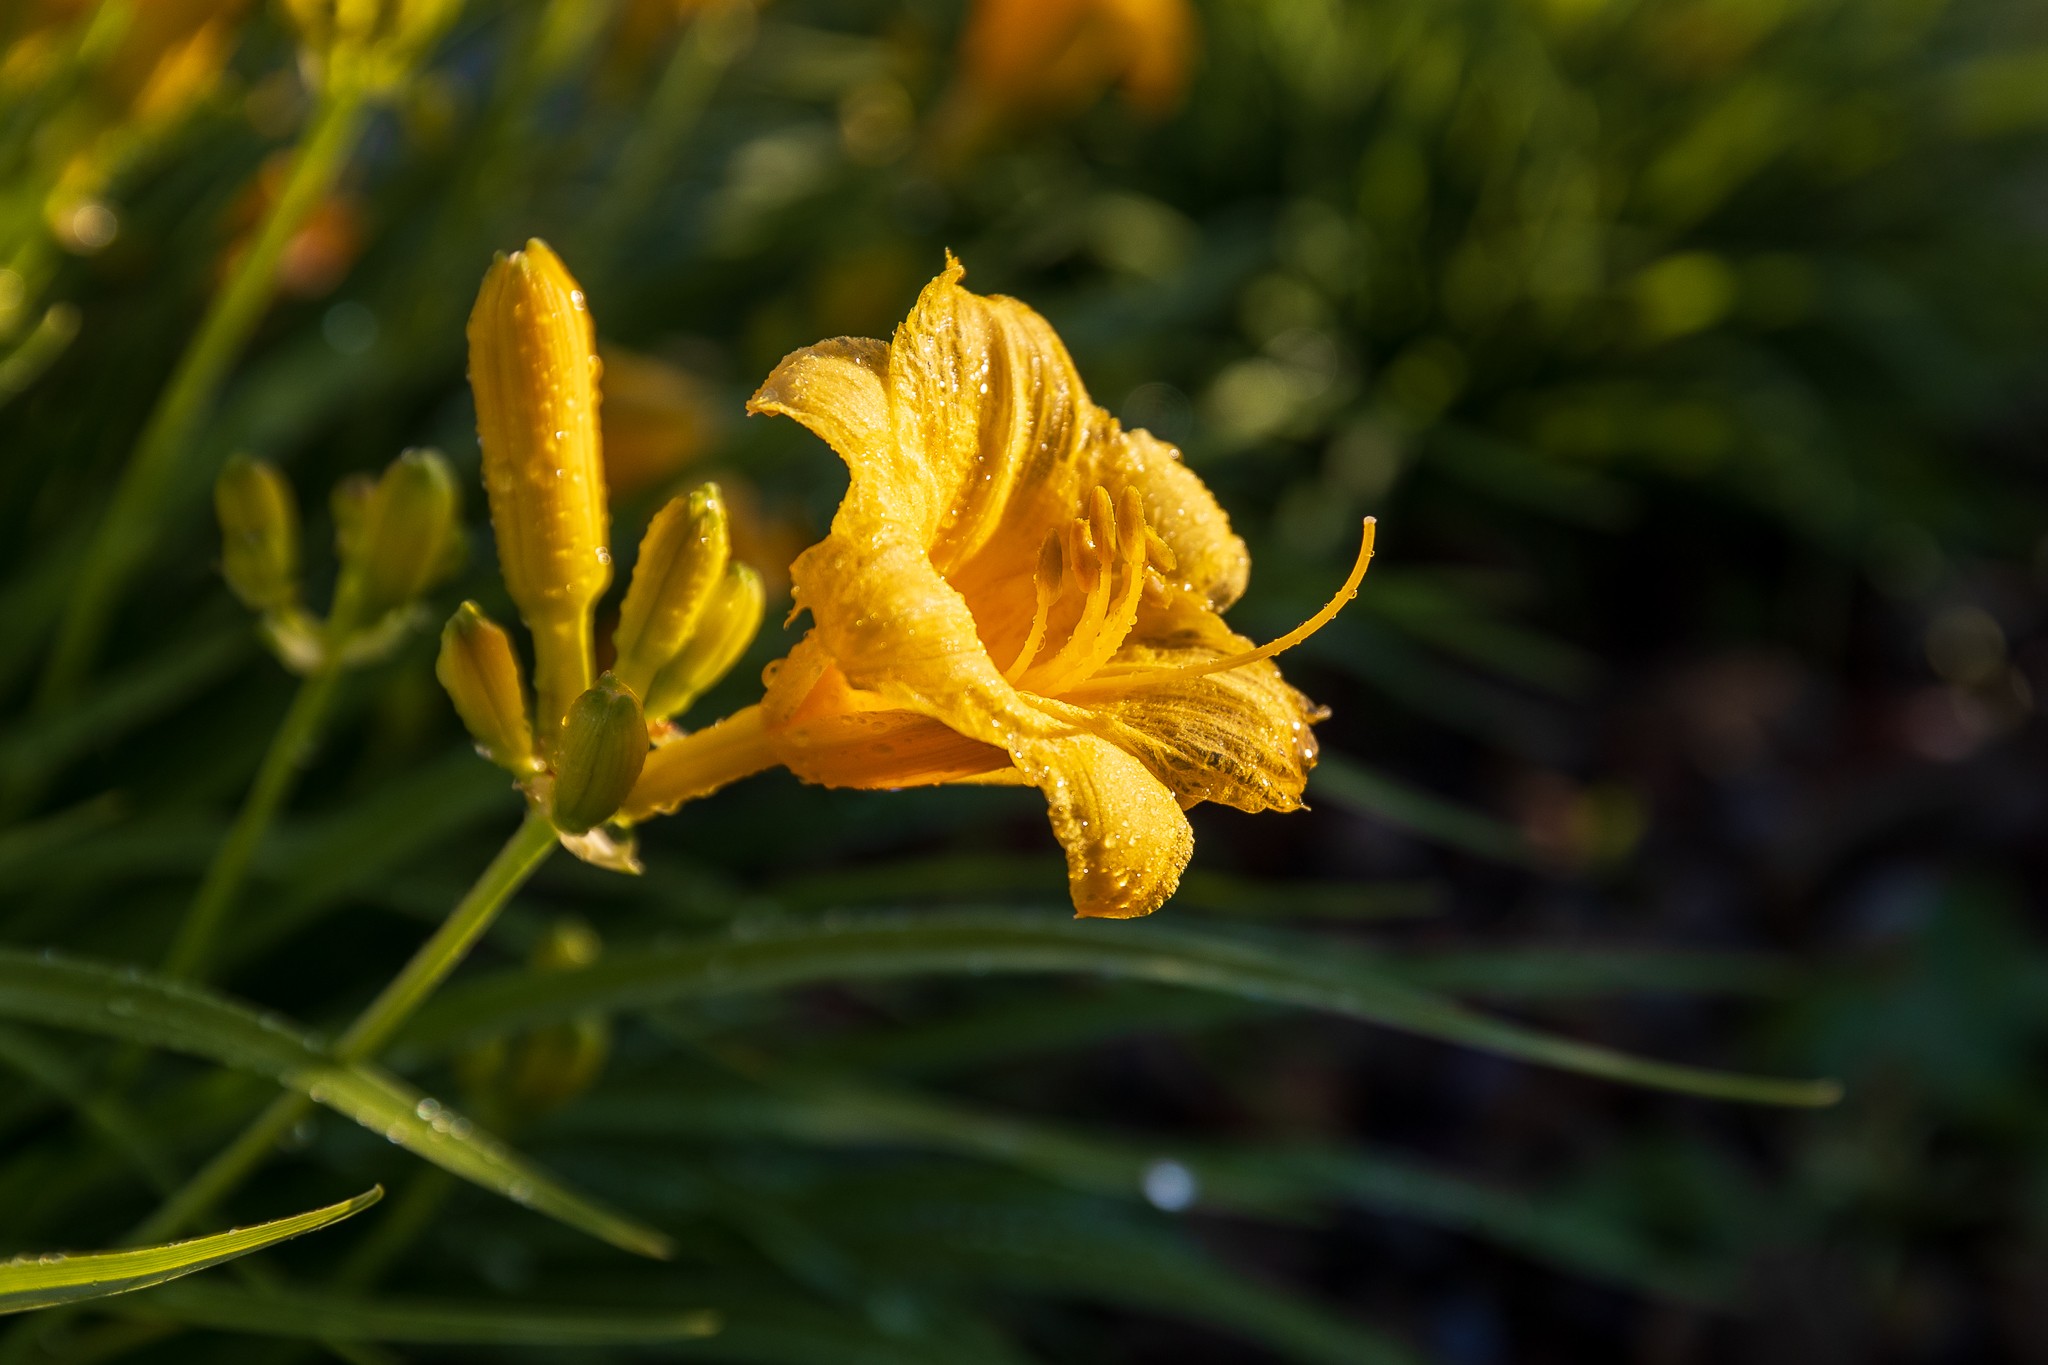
pixel 881 945
pixel 28 1282
pixel 67 993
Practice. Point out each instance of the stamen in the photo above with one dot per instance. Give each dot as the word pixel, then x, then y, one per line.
pixel 1132 677
pixel 1158 553
pixel 1047 581
pixel 1104 623
pixel 1093 549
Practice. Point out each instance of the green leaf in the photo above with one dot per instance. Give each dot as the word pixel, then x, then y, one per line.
pixel 1023 1237
pixel 1366 792
pixel 338 1317
pixel 1267 1181
pixel 34 749
pixel 873 946
pixel 746 1327
pixel 69 993
pixel 28 1282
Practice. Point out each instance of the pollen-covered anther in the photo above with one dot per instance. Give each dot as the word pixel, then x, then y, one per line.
pixel 1046 583
pixel 1128 678
pixel 1111 541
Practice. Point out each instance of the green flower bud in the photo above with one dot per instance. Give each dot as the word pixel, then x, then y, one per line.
pixel 402 545
pixel 367 44
pixel 350 506
pixel 481 675
pixel 537 1073
pixel 598 755
pixel 682 559
pixel 259 527
pixel 725 627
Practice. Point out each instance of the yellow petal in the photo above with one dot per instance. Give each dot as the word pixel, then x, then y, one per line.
pixel 1240 738
pixel 838 389
pixel 1124 834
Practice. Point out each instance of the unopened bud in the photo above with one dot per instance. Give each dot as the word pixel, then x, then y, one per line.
pixel 368 44
pixel 481 675
pixel 726 626
pixel 598 755
pixel 349 505
pixel 533 368
pixel 539 1072
pixel 408 525
pixel 682 560
pixel 259 528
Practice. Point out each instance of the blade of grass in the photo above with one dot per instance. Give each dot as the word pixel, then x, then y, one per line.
pixel 29 1282
pixel 1374 794
pixel 879 946
pixel 66 993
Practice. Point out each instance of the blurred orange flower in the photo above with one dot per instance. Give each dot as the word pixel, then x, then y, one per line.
pixel 1050 56
pixel 319 254
pixel 656 420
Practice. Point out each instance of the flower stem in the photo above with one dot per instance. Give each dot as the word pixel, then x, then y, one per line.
pixel 524 852
pixel 290 750
pixel 125 531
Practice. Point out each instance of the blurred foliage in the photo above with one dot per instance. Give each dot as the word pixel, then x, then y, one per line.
pixel 1690 353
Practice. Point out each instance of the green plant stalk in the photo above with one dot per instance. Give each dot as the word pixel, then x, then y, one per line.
pixel 522 854
pixel 710 43
pixel 125 531
pixel 291 747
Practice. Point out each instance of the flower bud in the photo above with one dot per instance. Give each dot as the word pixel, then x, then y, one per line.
pixel 539 1072
pixel 598 755
pixel 725 627
pixel 682 560
pixel 481 675
pixel 533 367
pixel 259 526
pixel 367 44
pixel 402 543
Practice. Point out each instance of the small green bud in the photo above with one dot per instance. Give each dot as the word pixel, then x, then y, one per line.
pixel 726 626
pixel 598 755
pixel 538 1072
pixel 259 530
pixel 402 544
pixel 350 506
pixel 481 675
pixel 682 558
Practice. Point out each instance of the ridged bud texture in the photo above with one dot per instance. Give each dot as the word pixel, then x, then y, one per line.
pixel 598 755
pixel 407 530
pixel 730 620
pixel 259 528
pixel 682 560
pixel 480 673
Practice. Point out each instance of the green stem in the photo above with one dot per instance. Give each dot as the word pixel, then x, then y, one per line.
pixel 710 43
pixel 125 531
pixel 522 854
pixel 291 748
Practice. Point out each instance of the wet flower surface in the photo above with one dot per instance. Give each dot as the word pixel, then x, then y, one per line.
pixel 1015 590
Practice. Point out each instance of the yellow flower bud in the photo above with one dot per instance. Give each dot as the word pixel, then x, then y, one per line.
pixel 725 627
pixel 533 367
pixel 259 526
pixel 481 675
pixel 407 530
pixel 598 755
pixel 682 559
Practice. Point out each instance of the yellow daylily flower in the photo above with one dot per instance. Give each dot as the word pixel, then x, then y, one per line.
pixel 1015 590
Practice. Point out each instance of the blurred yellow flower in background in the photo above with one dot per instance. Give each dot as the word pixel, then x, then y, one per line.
pixel 1052 56
pixel 1015 590
pixel 656 420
